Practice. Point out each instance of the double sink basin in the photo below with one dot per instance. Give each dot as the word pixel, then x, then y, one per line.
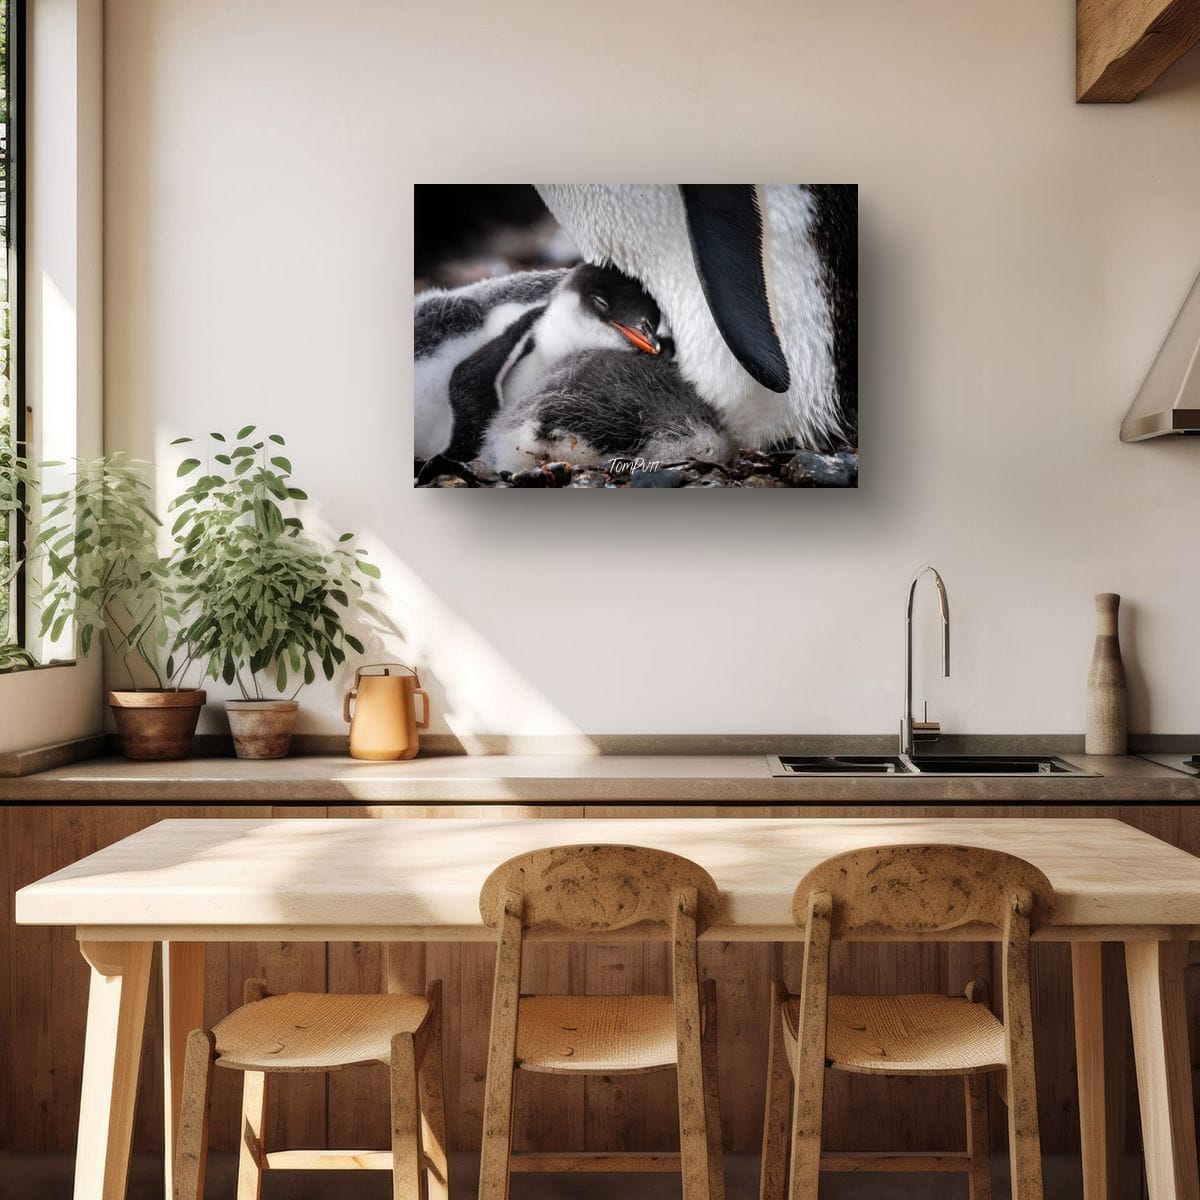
pixel 788 766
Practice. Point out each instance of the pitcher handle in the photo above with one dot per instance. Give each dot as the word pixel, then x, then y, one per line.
pixel 423 723
pixel 351 694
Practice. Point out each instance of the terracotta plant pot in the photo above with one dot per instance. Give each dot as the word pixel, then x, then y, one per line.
pixel 262 728
pixel 156 724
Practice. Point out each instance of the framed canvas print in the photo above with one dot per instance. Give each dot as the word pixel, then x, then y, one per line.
pixel 635 335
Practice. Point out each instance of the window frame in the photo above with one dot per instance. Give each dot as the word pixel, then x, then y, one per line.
pixel 14 11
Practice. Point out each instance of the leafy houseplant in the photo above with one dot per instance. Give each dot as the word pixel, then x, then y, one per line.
pixel 14 657
pixel 104 570
pixel 262 602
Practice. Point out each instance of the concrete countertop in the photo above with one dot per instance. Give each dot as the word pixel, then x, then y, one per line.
pixel 570 779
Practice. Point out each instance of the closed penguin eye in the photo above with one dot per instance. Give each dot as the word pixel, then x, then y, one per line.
pixel 599 304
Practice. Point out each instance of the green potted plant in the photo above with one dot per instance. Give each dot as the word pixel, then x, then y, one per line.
pixel 263 603
pixel 103 569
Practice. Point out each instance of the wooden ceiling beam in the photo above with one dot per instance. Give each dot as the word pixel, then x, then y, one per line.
pixel 1123 46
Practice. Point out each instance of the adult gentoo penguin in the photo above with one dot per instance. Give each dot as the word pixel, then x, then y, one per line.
pixel 590 309
pixel 758 284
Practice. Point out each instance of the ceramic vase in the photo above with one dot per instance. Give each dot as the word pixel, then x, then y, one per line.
pixel 1107 729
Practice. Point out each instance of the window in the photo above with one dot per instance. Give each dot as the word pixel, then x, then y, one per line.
pixel 12 423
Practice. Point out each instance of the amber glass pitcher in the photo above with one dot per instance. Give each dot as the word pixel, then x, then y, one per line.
pixel 384 723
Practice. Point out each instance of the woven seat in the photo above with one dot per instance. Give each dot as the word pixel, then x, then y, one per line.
pixel 303 1031
pixel 620 1035
pixel 906 1035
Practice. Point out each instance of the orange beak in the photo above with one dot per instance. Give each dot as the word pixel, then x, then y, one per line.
pixel 643 339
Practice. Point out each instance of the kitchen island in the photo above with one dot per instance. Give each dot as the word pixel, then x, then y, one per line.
pixel 185 883
pixel 52 819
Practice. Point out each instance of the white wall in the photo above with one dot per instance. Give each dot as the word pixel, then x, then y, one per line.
pixel 64 337
pixel 1022 260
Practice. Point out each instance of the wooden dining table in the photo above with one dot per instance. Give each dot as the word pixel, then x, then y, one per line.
pixel 184 883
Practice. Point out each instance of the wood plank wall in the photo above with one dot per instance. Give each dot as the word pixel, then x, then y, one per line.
pixel 43 991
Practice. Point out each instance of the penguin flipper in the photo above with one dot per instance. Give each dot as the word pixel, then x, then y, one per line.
pixel 726 231
pixel 474 394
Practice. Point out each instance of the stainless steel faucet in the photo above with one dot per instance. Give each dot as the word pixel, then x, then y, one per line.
pixel 913 731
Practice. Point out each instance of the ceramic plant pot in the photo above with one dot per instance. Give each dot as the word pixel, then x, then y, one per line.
pixel 262 728
pixel 157 723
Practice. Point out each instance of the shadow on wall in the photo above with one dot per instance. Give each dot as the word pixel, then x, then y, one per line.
pixel 1181 76
pixel 888 335
pixel 1141 713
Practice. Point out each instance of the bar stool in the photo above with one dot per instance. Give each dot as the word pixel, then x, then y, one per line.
pixel 578 892
pixel 302 1031
pixel 884 893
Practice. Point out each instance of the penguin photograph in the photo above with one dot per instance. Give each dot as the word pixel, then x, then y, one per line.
pixel 635 335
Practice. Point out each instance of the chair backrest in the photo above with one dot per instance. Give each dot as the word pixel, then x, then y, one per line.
pixel 885 890
pixel 577 891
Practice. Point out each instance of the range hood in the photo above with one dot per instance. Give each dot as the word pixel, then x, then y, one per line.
pixel 1169 400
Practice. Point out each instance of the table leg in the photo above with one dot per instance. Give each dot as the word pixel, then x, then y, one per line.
pixel 1158 1016
pixel 116 1020
pixel 183 1011
pixel 1100 1043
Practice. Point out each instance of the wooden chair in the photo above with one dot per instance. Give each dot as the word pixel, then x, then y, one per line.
pixel 579 892
pixel 884 893
pixel 318 1032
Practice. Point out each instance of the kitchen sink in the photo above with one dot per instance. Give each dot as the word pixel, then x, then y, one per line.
pixel 995 764
pixel 861 766
pixel 785 765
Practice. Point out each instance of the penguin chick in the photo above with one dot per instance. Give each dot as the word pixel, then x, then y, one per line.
pixel 450 326
pixel 599 405
pixel 594 308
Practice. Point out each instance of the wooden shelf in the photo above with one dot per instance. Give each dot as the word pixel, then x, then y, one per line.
pixel 1123 46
